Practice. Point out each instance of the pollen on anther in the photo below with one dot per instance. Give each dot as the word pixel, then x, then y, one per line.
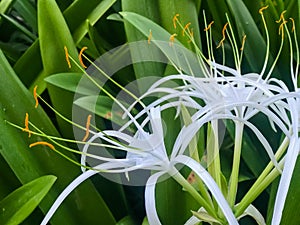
pixel 243 42
pixel 293 26
pixel 35 96
pixel 67 57
pixel 175 19
pixel 185 28
pixel 42 143
pixel 223 34
pixel 80 57
pixel 172 39
pixel 262 9
pixel 150 37
pixel 209 26
pixel 87 130
pixel 26 129
pixel 281 18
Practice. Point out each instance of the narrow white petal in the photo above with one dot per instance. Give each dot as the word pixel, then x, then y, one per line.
pixel 255 214
pixel 150 199
pixel 211 185
pixel 289 165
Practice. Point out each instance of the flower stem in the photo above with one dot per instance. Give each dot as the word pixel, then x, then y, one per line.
pixel 263 181
pixel 234 177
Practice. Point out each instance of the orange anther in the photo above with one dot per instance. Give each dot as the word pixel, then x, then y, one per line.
pixel 243 42
pixel 26 129
pixel 262 9
pixel 172 39
pixel 87 130
pixel 35 96
pixel 281 18
pixel 175 19
pixel 186 27
pixel 223 34
pixel 42 143
pixel 80 57
pixel 67 56
pixel 281 28
pixel 209 26
pixel 293 22
pixel 150 37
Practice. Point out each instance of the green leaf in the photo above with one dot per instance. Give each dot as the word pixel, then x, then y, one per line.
pixel 180 56
pixel 27 164
pixel 20 203
pixel 19 27
pixel 28 13
pixel 5 5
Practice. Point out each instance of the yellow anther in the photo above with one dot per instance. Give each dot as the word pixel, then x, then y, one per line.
pixel 150 37
pixel 186 27
pixel 35 96
pixel 243 42
pixel 80 57
pixel 42 143
pixel 191 33
pixel 172 39
pixel 281 28
pixel 281 18
pixel 67 57
pixel 26 129
pixel 223 34
pixel 209 26
pixel 262 9
pixel 293 26
pixel 175 19
pixel 87 130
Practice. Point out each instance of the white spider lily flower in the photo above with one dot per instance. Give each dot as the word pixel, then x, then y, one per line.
pixel 144 151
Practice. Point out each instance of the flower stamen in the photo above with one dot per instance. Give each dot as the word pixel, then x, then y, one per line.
pixel 67 57
pixel 186 27
pixel 172 39
pixel 35 96
pixel 243 42
pixel 26 129
pixel 281 18
pixel 293 26
pixel 80 57
pixel 209 26
pixel 223 34
pixel 87 130
pixel 262 9
pixel 42 143
pixel 175 19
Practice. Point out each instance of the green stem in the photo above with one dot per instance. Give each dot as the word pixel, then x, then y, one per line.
pixel 176 175
pixel 263 181
pixel 234 177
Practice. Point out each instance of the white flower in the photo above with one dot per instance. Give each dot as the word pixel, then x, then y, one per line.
pixel 145 151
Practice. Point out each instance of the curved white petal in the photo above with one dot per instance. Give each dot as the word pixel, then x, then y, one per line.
pixel 211 185
pixel 150 199
pixel 255 214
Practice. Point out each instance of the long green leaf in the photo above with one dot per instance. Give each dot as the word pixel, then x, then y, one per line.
pixel 19 204
pixel 27 164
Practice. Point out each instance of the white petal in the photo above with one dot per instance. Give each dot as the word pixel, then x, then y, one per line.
pixel 255 214
pixel 211 185
pixel 150 199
